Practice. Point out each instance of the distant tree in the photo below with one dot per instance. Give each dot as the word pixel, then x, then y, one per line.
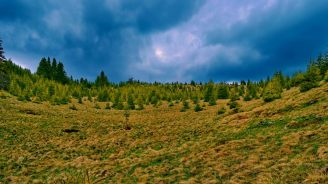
pixel 4 76
pixel 2 52
pixel 54 68
pixel 44 68
pixel 118 104
pixel 102 80
pixel 272 90
pixel 209 91
pixel 61 74
pixel 223 91
pixel 103 95
pixel 311 78
pixel 322 63
pixel 130 102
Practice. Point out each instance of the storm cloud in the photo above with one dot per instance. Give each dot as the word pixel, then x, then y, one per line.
pixel 154 40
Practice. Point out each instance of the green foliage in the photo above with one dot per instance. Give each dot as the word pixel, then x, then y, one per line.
pixel 4 76
pixel 50 83
pixel 223 91
pixel 198 108
pixel 272 90
pixel 102 80
pixel 131 104
pixel 2 52
pixel 212 101
pixel 103 96
pixel 52 71
pixel 209 91
pixel 185 106
pixel 311 78
pixel 118 104
pixel 233 104
pixel 221 111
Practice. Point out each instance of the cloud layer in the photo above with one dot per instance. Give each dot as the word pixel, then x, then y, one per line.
pixel 166 40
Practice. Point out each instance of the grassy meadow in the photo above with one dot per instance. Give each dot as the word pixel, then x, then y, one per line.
pixel 284 141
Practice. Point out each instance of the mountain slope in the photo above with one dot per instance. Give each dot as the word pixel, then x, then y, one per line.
pixel 284 141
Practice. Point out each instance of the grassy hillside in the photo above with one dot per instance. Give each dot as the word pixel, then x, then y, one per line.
pixel 284 141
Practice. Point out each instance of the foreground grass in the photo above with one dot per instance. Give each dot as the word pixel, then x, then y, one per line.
pixel 284 141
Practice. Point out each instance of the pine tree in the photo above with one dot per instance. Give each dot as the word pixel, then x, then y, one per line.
pixel 61 74
pixel 42 68
pixel 130 102
pixel 272 90
pixel 102 80
pixel 4 76
pixel 311 78
pixel 209 91
pixel 54 69
pixel 2 52
pixel 223 91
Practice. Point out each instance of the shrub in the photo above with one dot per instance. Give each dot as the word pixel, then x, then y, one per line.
pixel 198 108
pixel 233 104
pixel 212 102
pixel 306 86
pixel 186 104
pixel 221 111
pixel 272 91
pixel 247 98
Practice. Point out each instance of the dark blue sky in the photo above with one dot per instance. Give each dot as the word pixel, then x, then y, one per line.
pixel 171 40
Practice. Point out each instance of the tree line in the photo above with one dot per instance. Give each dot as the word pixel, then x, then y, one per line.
pixel 51 83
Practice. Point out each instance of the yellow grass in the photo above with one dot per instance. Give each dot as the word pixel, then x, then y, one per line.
pixel 284 141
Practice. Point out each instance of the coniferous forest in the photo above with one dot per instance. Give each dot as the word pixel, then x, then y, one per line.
pixel 51 83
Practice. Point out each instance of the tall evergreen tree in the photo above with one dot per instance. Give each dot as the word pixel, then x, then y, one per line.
pixel 43 68
pixel 223 91
pixel 102 80
pixel 209 91
pixel 272 90
pixel 53 68
pixel 61 74
pixel 2 52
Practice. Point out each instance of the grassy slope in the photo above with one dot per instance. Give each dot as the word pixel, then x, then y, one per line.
pixel 284 141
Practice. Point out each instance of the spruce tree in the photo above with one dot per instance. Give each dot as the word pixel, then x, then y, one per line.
pixel 53 68
pixel 2 52
pixel 4 76
pixel 272 90
pixel 102 80
pixel 311 78
pixel 223 91
pixel 61 74
pixel 209 91
pixel 42 68
pixel 130 102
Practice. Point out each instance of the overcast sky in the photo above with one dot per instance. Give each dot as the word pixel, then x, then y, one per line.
pixel 166 40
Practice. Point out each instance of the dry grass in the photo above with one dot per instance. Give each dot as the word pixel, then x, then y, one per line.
pixel 284 141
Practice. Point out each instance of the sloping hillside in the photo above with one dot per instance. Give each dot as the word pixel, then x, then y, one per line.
pixel 284 141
